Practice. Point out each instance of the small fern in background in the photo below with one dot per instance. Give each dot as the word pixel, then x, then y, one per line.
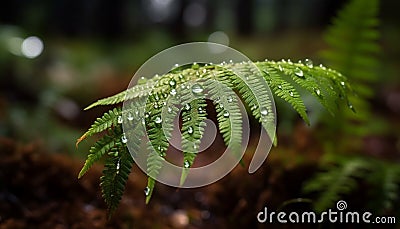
pixel 342 174
pixel 283 77
pixel 353 50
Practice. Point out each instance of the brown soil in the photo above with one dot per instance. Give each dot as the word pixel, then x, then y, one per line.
pixel 41 190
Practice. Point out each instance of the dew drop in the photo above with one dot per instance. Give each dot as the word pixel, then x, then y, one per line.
pixel 187 106
pixel 155 106
pixel 172 83
pixel 130 116
pixel 298 72
pixel 279 86
pixel 229 99
pixel 173 92
pixel 318 92
pixel 291 93
pixel 142 80
pixel 195 66
pixel 197 89
pixel 221 105
pixel 119 119
pixel 218 99
pixel 186 164
pixel 158 120
pixel 124 139
pixel 351 106
pixel 118 165
pixel 309 63
pixel 264 111
pixel 342 83
pixel 190 130
pixel 200 110
pixel 147 191
pixel 226 114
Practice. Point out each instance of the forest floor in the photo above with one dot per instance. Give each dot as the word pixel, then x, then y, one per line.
pixel 39 189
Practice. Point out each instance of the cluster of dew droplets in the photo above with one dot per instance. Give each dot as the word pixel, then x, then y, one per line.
pixel 118 165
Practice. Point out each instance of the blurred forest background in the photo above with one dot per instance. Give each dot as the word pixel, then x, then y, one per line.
pixel 57 57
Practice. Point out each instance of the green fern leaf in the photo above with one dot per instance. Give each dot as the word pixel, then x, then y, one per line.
pixel 228 113
pixel 193 116
pixel 105 122
pixel 286 91
pixel 115 175
pixel 335 182
pixel 155 115
pixel 101 147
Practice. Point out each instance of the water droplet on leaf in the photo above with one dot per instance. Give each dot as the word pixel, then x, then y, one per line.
pixel 309 63
pixel 173 92
pixel 147 191
pixel 187 106
pixel 195 66
pixel 190 130
pixel 124 139
pixel 142 80
pixel 226 114
pixel 119 119
pixel 186 164
pixel 172 83
pixel 264 111
pixel 298 72
pixel 197 89
pixel 158 120
pixel 130 116
pixel 318 92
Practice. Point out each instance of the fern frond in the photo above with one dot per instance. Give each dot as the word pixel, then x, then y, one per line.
pixel 151 107
pixel 286 91
pixel 228 112
pixel 253 92
pixel 106 144
pixel 385 179
pixel 335 182
pixel 155 161
pixel 115 175
pixel 193 116
pixel 352 41
pixel 110 118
